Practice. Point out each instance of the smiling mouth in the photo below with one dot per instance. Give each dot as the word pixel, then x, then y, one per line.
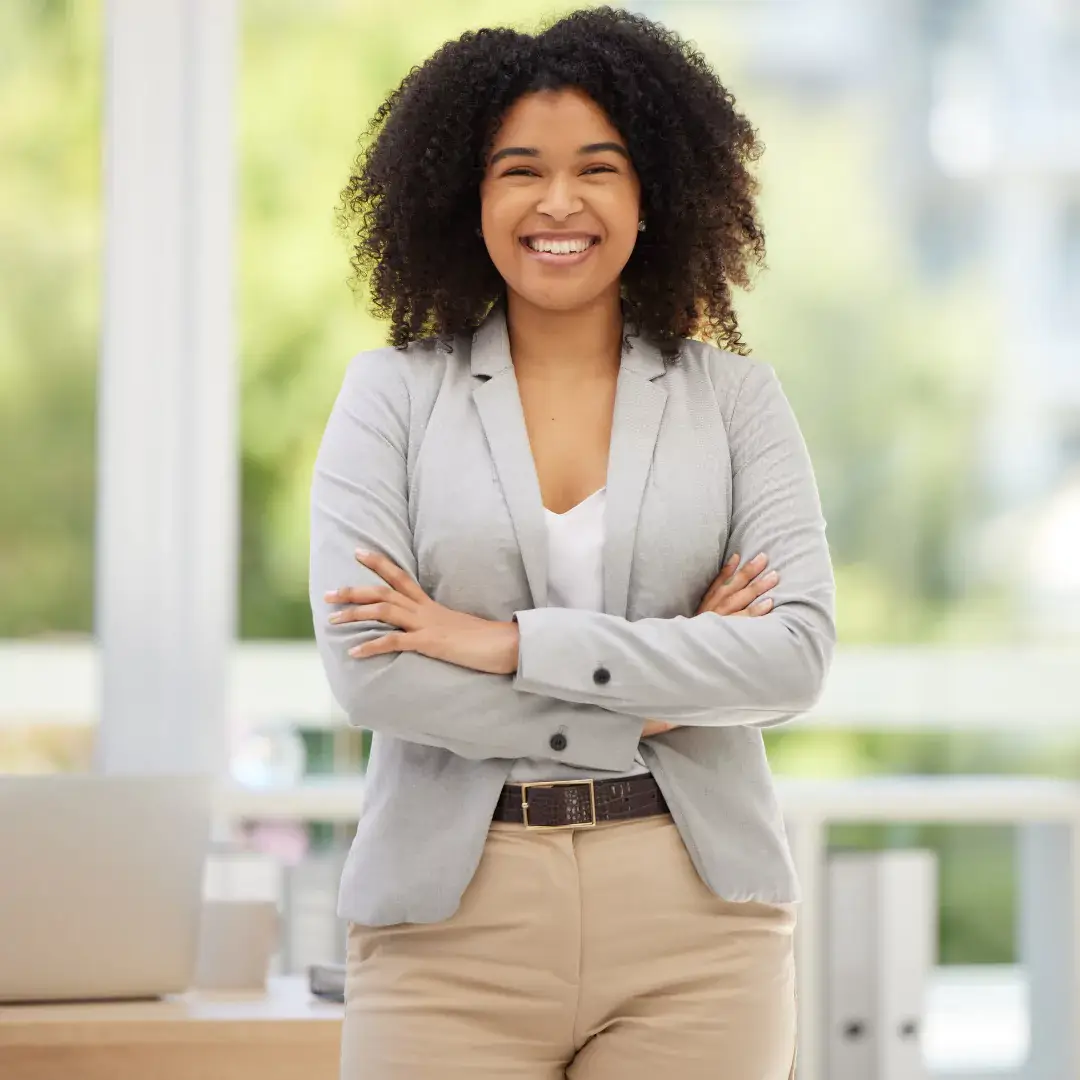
pixel 544 245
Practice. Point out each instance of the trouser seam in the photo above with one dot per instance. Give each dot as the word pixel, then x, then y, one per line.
pixel 579 944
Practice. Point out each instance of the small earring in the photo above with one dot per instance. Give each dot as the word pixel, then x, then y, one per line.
pixel 641 225
pixel 479 232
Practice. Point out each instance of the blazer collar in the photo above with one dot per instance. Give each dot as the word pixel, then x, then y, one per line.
pixel 491 350
pixel 491 345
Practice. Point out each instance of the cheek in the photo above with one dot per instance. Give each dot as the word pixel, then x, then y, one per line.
pixel 620 214
pixel 499 219
pixel 622 235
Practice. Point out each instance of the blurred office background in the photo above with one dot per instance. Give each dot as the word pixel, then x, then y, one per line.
pixel 921 196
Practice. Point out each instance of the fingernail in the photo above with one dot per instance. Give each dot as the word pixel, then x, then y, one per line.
pixel 355 650
pixel 335 618
pixel 331 595
pixel 361 553
pixel 772 575
pixel 734 559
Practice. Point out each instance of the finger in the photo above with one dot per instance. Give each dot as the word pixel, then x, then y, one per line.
pixel 748 571
pixel 658 727
pixel 733 603
pixel 380 646
pixel 740 601
pixel 728 583
pixel 718 583
pixel 391 573
pixel 390 614
pixel 761 584
pixel 761 607
pixel 745 573
pixel 728 568
pixel 361 594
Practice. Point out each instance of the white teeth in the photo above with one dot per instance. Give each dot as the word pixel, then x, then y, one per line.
pixel 559 247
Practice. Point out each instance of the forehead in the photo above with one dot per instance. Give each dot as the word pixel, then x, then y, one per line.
pixel 554 119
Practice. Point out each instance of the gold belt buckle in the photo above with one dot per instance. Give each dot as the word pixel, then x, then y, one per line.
pixel 558 783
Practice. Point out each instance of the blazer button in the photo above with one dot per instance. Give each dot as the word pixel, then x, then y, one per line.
pixel 557 741
pixel 601 676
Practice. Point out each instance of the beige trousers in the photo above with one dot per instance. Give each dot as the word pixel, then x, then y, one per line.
pixel 592 954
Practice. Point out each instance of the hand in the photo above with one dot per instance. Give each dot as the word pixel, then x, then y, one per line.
pixel 656 727
pixel 736 590
pixel 424 626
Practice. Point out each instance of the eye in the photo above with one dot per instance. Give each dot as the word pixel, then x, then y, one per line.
pixel 593 169
pixel 519 170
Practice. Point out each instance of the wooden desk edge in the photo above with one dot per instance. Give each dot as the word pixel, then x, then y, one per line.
pixel 285 1014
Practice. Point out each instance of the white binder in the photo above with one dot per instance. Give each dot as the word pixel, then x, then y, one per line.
pixel 882 945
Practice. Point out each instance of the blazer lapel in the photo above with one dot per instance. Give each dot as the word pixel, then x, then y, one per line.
pixel 639 407
pixel 499 406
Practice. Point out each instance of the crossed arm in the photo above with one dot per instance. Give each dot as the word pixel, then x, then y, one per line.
pixel 401 663
pixel 426 627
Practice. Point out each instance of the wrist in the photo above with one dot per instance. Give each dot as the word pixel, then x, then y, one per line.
pixel 512 644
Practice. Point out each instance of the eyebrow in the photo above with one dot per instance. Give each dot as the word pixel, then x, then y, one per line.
pixel 532 152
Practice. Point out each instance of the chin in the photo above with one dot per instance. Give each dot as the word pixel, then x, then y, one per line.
pixel 566 298
pixel 557 303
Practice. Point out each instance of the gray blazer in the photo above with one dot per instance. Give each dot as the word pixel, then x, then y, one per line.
pixel 426 458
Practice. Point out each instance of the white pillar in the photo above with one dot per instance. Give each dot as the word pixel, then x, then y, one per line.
pixel 167 451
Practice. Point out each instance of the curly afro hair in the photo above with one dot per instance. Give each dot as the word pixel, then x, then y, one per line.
pixel 412 204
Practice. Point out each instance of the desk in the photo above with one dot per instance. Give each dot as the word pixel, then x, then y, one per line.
pixel 284 1034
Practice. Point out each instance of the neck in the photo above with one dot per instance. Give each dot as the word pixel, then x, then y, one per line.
pixel 582 342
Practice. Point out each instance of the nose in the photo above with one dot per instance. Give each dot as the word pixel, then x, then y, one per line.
pixel 560 199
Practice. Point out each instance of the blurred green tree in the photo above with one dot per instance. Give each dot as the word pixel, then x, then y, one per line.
pixel 50 251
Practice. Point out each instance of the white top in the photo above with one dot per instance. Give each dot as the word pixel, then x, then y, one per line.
pixel 575 580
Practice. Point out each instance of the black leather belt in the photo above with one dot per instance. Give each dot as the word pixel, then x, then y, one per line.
pixel 577 804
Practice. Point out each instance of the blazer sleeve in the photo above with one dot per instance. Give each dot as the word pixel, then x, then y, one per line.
pixel 713 670
pixel 359 499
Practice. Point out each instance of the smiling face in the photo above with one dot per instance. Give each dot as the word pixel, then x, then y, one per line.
pixel 559 201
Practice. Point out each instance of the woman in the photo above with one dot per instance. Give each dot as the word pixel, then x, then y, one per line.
pixel 536 522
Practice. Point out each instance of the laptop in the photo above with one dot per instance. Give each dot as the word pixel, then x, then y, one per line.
pixel 100 885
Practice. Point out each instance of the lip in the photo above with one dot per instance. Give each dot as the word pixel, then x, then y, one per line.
pixel 549 258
